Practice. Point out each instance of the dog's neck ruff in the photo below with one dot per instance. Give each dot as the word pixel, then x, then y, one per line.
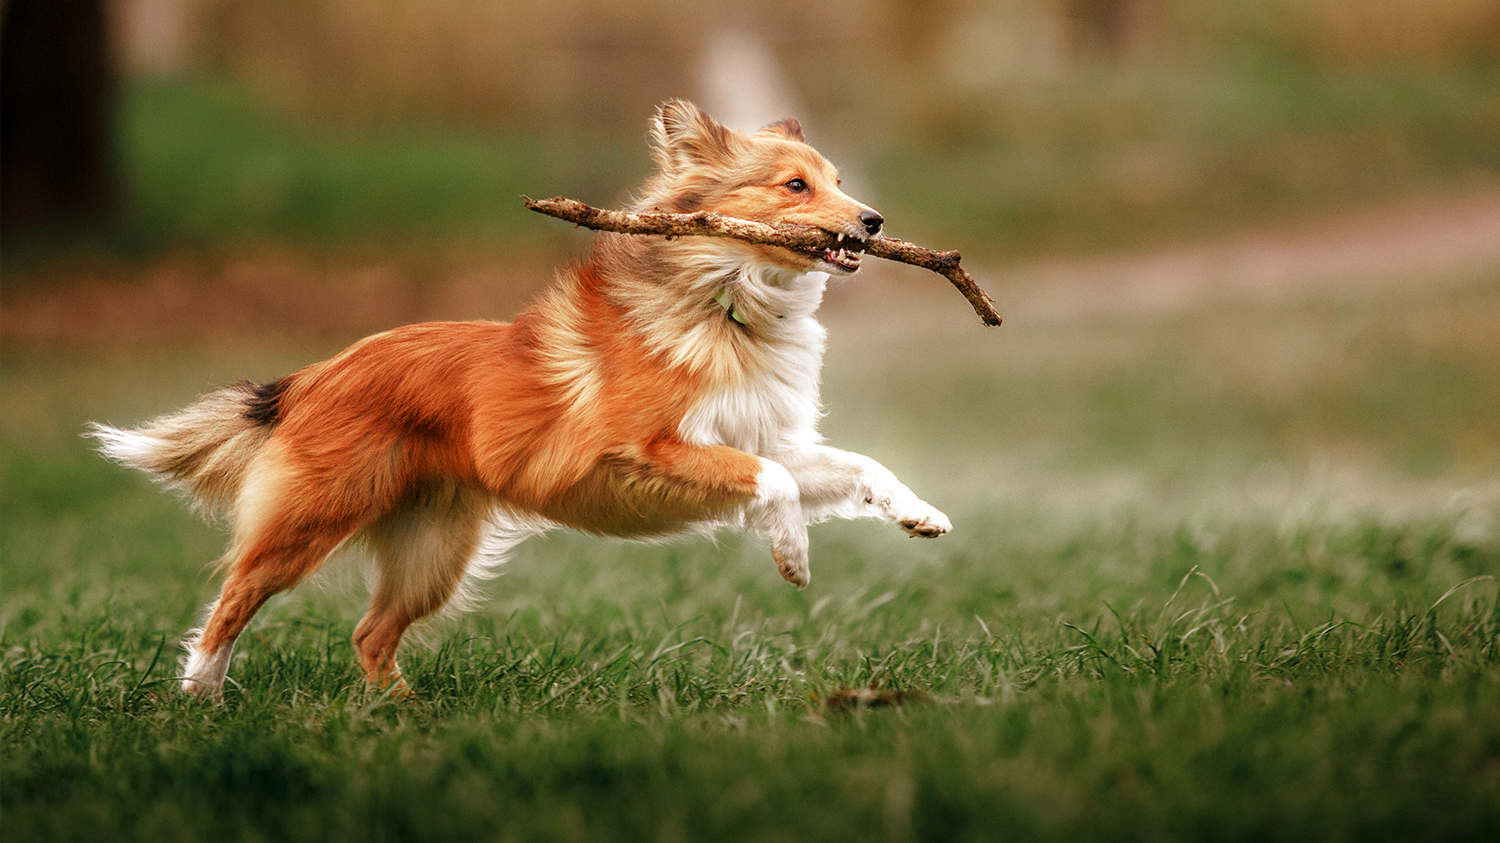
pixel 724 300
pixel 761 295
pixel 717 311
pixel 772 404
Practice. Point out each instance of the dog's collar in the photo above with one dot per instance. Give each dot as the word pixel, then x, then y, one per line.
pixel 723 300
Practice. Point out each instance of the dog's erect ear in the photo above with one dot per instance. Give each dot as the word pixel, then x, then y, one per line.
pixel 788 128
pixel 683 136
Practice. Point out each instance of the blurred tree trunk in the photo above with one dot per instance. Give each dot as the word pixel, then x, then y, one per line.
pixel 56 92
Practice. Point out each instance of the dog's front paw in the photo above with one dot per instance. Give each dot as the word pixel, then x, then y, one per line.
pixel 891 500
pixel 793 567
pixel 923 521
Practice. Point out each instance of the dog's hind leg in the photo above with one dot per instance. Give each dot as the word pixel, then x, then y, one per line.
pixel 284 527
pixel 274 563
pixel 422 549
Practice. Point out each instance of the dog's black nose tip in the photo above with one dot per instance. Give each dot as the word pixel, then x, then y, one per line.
pixel 872 222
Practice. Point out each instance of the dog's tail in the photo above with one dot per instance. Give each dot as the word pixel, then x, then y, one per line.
pixel 206 448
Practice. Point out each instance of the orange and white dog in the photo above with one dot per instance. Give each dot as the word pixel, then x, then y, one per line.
pixel 660 387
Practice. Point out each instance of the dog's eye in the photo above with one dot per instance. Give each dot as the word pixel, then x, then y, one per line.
pixel 797 186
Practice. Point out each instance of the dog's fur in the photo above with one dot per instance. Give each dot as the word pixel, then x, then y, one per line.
pixel 662 386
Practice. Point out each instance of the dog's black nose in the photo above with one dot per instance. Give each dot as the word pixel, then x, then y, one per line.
pixel 872 221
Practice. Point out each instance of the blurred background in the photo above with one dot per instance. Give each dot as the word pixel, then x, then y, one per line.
pixel 1007 127
pixel 1254 242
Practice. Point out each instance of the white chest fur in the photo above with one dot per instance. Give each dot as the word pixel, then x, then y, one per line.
pixel 775 408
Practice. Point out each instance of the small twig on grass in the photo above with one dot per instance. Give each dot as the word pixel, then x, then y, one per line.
pixel 846 700
pixel 799 237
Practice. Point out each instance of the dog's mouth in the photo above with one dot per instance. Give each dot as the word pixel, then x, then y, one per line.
pixel 844 256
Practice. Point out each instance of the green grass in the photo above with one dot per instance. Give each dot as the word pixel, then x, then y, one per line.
pixel 1220 575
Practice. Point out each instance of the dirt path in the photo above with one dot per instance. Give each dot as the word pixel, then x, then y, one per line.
pixel 1447 240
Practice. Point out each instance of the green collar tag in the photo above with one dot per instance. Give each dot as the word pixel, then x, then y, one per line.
pixel 722 300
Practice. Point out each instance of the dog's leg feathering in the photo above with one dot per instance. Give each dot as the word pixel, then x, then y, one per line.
pixel 834 482
pixel 204 671
pixel 422 551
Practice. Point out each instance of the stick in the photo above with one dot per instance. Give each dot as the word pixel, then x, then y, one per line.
pixel 711 224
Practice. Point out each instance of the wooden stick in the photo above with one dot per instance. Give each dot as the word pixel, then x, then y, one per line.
pixel 799 237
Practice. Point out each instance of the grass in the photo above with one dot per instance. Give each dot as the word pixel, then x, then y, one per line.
pixel 1220 575
pixel 596 710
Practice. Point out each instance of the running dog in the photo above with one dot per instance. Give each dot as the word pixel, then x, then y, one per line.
pixel 661 386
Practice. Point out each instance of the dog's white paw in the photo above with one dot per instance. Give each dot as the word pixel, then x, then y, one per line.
pixel 203 673
pixel 778 511
pixel 793 567
pixel 898 505
pixel 920 520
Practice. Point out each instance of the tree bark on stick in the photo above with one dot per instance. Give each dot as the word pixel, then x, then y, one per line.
pixel 797 237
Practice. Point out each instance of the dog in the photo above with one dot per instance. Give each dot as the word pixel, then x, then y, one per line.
pixel 661 386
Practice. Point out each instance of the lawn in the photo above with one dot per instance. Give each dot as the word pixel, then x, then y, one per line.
pixel 1223 573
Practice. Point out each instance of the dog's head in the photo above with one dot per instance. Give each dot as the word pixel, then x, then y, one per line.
pixel 770 176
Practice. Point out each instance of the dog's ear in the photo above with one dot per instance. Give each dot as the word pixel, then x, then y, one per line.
pixel 788 128
pixel 683 136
